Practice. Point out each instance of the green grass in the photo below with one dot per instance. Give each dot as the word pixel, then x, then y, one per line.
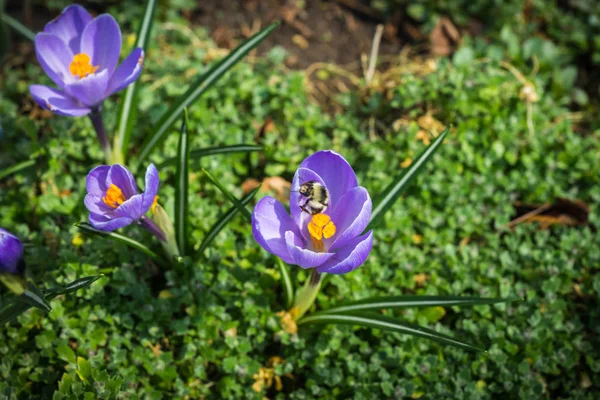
pixel 144 332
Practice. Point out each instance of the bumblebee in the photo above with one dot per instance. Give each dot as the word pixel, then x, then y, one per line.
pixel 317 197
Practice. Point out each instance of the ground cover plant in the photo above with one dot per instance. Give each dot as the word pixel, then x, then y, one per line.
pixel 505 206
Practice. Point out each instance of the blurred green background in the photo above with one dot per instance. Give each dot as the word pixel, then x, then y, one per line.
pixel 507 207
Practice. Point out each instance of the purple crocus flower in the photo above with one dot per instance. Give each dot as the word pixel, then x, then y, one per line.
pixel 330 240
pixel 11 253
pixel 80 55
pixel 114 202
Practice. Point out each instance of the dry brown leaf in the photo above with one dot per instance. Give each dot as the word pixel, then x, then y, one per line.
pixel 444 37
pixel 273 184
pixel 430 124
pixel 423 136
pixel 420 279
pixel 300 41
pixel 261 130
pixel 561 212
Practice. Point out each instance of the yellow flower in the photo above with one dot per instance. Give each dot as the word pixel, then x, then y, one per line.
pixel 78 240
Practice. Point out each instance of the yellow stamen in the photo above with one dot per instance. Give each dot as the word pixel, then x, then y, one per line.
pixel 114 196
pixel 320 226
pixel 154 204
pixel 81 65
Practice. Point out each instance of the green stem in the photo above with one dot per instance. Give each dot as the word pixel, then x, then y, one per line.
pixel 96 118
pixel 306 295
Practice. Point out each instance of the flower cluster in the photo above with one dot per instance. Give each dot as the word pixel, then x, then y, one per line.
pixel 330 212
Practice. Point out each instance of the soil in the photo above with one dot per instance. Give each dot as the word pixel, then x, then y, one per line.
pixel 336 32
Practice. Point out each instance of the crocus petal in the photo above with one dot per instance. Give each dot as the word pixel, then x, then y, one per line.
pixel 151 188
pixel 301 218
pixel 351 216
pixel 123 179
pixel 89 90
pixel 69 25
pixel 55 57
pixel 57 101
pixel 104 223
pixel 349 257
pixel 126 73
pixel 131 208
pixel 270 222
pixel 302 257
pixel 95 182
pixel 338 175
pixel 11 253
pixel 96 205
pixel 101 40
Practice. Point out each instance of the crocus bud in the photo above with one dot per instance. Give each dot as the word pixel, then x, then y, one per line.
pixel 12 265
pixel 11 254
pixel 160 217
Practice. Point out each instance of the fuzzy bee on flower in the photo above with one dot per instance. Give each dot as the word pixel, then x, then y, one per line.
pixel 329 214
pixel 317 197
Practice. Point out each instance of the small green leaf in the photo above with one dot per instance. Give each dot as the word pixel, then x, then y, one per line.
pixel 66 353
pixel 288 284
pixel 17 26
pixel 398 185
pixel 392 302
pixel 204 82
pixel 373 320
pixel 128 109
pixel 209 151
pixel 84 369
pixel 87 228
pixel 181 188
pixel 224 220
pixel 230 196
pixel 16 168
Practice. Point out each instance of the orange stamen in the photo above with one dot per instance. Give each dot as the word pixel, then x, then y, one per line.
pixel 154 204
pixel 320 226
pixel 81 65
pixel 114 196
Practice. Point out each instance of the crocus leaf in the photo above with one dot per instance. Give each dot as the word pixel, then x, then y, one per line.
pixel 17 26
pixel 16 168
pixel 181 188
pixel 373 320
pixel 230 196
pixel 35 298
pixel 128 109
pixel 201 85
pixel 391 302
pixel 13 306
pixel 87 228
pixel 72 287
pixel 197 154
pixel 390 194
pixel 224 220
pixel 288 284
